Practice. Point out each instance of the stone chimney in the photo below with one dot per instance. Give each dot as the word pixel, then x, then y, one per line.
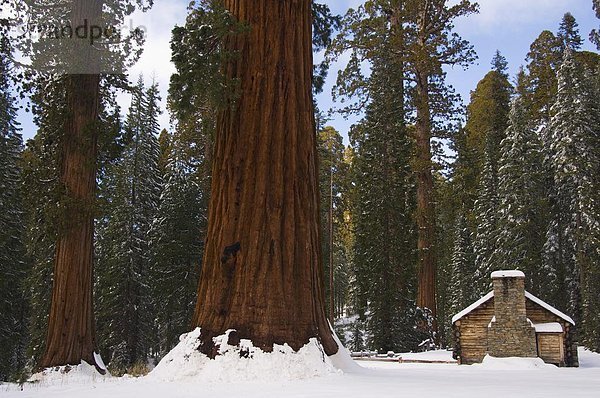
pixel 510 334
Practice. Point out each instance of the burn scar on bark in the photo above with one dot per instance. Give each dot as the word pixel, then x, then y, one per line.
pixel 233 338
pixel 228 259
pixel 230 252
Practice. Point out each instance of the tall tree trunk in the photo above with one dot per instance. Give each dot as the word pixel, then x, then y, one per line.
pixel 262 273
pixel 71 334
pixel 71 329
pixel 425 199
pixel 330 220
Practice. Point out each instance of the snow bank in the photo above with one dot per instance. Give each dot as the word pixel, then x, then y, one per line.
pixel 241 363
pixel 342 360
pixel 59 375
pixel 514 363
pixel 588 359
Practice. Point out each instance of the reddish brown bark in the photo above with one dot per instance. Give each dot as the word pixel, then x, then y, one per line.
pixel 427 267
pixel 71 330
pixel 71 335
pixel 330 221
pixel 262 272
pixel 425 199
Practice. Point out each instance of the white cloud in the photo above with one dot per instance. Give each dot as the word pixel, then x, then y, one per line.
pixel 513 14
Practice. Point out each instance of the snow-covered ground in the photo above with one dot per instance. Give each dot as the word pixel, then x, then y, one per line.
pixel 495 378
pixel 439 355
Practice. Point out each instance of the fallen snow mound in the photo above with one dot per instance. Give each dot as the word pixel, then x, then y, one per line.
pixel 588 359
pixel 514 363
pixel 342 360
pixel 241 363
pixel 59 375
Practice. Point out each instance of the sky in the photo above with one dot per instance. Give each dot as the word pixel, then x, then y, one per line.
pixel 506 25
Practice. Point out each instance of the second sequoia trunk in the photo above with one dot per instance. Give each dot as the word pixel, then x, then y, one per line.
pixel 71 334
pixel 262 272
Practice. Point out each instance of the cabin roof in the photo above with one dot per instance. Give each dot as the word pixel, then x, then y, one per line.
pixel 550 308
pixel 472 306
pixel 528 295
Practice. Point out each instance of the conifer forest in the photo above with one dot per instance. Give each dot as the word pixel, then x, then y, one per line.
pixel 250 214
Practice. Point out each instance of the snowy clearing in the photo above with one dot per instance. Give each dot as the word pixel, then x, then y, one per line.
pixel 499 378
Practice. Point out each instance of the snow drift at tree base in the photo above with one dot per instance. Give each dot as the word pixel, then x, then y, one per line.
pixel 244 362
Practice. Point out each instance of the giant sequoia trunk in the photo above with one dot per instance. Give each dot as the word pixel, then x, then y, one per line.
pixel 71 333
pixel 425 199
pixel 262 273
pixel 71 336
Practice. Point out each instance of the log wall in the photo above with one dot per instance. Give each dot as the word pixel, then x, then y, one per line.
pixel 568 348
pixel 550 348
pixel 471 334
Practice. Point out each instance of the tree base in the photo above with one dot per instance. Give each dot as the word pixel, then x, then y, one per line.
pixel 238 359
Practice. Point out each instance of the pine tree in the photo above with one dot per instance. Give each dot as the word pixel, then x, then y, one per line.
pixel 463 291
pixel 486 217
pixel 332 172
pixel 177 246
pixel 131 191
pixel 543 58
pixel 385 238
pixel 197 91
pixel 500 64
pixel 568 33
pixel 574 237
pixel 13 306
pixel 522 217
pixel 392 34
pixel 165 149
pixel 344 239
pixel 324 24
pixel 487 118
pixel 41 202
pixel 450 206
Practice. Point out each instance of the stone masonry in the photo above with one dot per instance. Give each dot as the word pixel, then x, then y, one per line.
pixel 510 334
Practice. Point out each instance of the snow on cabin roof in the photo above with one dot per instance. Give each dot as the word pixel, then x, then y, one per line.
pixel 549 308
pixel 528 295
pixel 550 327
pixel 472 306
pixel 508 274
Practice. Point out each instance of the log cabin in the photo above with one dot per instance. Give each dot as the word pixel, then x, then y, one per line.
pixel 511 322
